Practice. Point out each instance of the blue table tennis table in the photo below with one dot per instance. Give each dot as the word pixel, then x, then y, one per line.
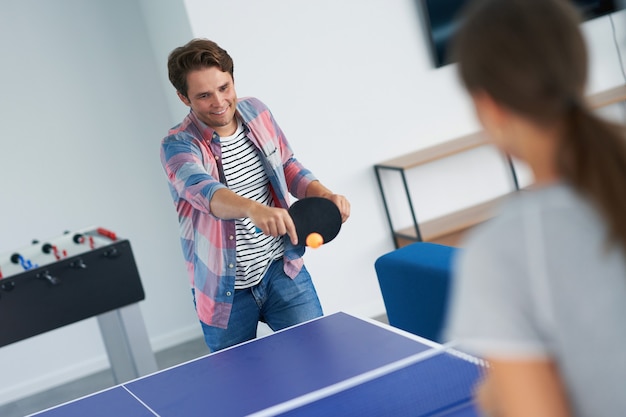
pixel 335 365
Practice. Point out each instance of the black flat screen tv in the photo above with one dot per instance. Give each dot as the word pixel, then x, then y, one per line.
pixel 440 18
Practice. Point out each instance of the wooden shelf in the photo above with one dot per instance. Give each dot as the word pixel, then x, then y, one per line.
pixel 449 229
pixel 476 139
pixel 607 97
pixel 433 153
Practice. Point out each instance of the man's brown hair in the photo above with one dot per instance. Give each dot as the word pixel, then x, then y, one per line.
pixel 196 54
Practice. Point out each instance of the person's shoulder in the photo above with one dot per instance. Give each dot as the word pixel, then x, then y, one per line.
pixel 251 107
pixel 507 230
pixel 250 101
pixel 506 220
pixel 180 132
pixel 178 136
pixel 552 195
pixel 557 203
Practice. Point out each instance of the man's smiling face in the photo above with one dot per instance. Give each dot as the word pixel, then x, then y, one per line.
pixel 212 97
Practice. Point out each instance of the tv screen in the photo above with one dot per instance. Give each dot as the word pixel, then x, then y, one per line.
pixel 441 18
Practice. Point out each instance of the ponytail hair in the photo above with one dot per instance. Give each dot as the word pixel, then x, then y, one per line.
pixel 530 56
pixel 592 158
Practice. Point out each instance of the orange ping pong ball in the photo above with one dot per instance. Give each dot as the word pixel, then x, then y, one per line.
pixel 314 240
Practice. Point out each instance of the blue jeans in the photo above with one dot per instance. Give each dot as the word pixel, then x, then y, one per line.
pixel 277 300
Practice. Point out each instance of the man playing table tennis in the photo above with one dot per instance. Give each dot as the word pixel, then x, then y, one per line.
pixel 540 290
pixel 230 170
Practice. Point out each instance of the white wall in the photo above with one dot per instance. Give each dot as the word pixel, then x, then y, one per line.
pixel 346 82
pixel 351 84
pixel 85 101
pixel 83 110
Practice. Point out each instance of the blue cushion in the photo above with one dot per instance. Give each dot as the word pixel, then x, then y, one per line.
pixel 414 282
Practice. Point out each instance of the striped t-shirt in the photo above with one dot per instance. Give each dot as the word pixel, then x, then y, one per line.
pixel 245 176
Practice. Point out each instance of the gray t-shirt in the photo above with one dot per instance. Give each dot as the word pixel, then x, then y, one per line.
pixel 541 281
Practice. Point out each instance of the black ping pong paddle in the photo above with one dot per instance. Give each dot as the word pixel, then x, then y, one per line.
pixel 315 215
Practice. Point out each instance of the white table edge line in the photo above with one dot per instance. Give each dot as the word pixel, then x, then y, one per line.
pixel 401 332
pixel 93 394
pixel 349 383
pixel 141 402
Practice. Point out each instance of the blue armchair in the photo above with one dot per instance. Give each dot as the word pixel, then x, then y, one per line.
pixel 414 282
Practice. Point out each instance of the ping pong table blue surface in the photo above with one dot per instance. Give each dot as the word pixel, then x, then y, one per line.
pixel 335 365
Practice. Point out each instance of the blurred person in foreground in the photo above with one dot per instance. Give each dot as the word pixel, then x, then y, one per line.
pixel 540 290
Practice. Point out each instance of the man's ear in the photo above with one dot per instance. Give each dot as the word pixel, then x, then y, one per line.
pixel 184 99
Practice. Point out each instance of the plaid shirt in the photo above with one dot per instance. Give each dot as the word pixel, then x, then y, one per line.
pixel 190 155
